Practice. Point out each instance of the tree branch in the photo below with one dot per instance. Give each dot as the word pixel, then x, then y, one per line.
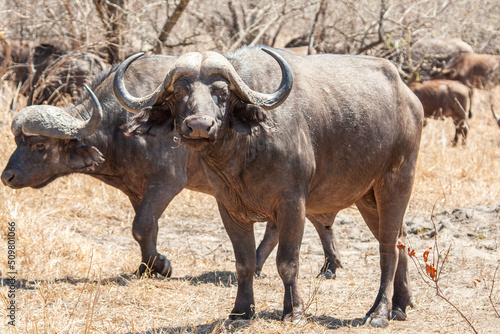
pixel 380 30
pixel 313 29
pixel 169 25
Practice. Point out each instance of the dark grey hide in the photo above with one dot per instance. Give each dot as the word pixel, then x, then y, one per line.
pixel 348 133
pixel 150 171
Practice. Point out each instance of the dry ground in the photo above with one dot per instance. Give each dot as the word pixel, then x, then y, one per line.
pixel 76 253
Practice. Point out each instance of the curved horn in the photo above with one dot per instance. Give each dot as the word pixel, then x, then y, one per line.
pixel 127 101
pixel 220 64
pixel 188 64
pixel 54 122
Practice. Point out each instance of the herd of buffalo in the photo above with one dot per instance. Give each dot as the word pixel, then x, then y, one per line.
pixel 273 135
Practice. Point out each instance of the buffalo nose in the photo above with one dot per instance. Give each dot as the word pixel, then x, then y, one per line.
pixel 199 126
pixel 7 177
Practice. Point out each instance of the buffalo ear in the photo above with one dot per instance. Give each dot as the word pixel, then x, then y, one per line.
pixel 81 156
pixel 246 118
pixel 150 121
pixel 239 126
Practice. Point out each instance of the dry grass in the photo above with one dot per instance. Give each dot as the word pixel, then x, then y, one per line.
pixel 75 254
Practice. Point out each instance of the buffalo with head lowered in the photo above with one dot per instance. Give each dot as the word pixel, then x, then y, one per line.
pixel 52 142
pixel 473 70
pixel 446 98
pixel 339 130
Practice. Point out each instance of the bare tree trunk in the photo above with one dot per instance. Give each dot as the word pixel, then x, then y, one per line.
pixel 74 39
pixel 169 25
pixel 313 29
pixel 111 15
pixel 380 31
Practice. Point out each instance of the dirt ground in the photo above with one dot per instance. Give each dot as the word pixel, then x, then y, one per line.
pixel 75 255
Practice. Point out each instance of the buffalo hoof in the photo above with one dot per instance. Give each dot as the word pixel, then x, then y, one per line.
pixel 239 319
pixel 167 268
pixel 376 321
pixel 327 274
pixel 297 316
pixel 398 314
pixel 233 324
pixel 257 273
pixel 160 267
pixel 296 319
pixel 378 318
pixel 329 269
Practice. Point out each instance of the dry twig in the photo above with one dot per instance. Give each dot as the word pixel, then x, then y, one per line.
pixel 491 293
pixel 434 269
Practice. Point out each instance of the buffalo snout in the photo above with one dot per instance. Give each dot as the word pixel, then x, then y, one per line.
pixel 9 178
pixel 199 127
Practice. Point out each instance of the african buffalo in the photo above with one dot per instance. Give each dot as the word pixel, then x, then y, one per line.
pixel 51 144
pixel 52 69
pixel 442 49
pixel 446 98
pixel 473 70
pixel 59 71
pixel 14 55
pixel 428 54
pixel 348 132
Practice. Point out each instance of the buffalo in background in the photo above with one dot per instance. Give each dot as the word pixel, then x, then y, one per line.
pixel 420 59
pixel 48 72
pixel 476 71
pixel 14 57
pixel 446 98
pixel 59 72
pixel 473 70
pixel 439 49
pixel 453 60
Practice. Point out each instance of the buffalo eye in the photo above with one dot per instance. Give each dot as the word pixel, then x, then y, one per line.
pixel 38 146
pixel 223 96
pixel 219 96
pixel 180 95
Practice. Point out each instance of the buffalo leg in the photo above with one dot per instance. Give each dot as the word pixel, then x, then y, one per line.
pixel 242 238
pixel 324 227
pixel 386 223
pixel 461 129
pixel 326 235
pixel 402 289
pixel 266 246
pixel 291 220
pixel 145 228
